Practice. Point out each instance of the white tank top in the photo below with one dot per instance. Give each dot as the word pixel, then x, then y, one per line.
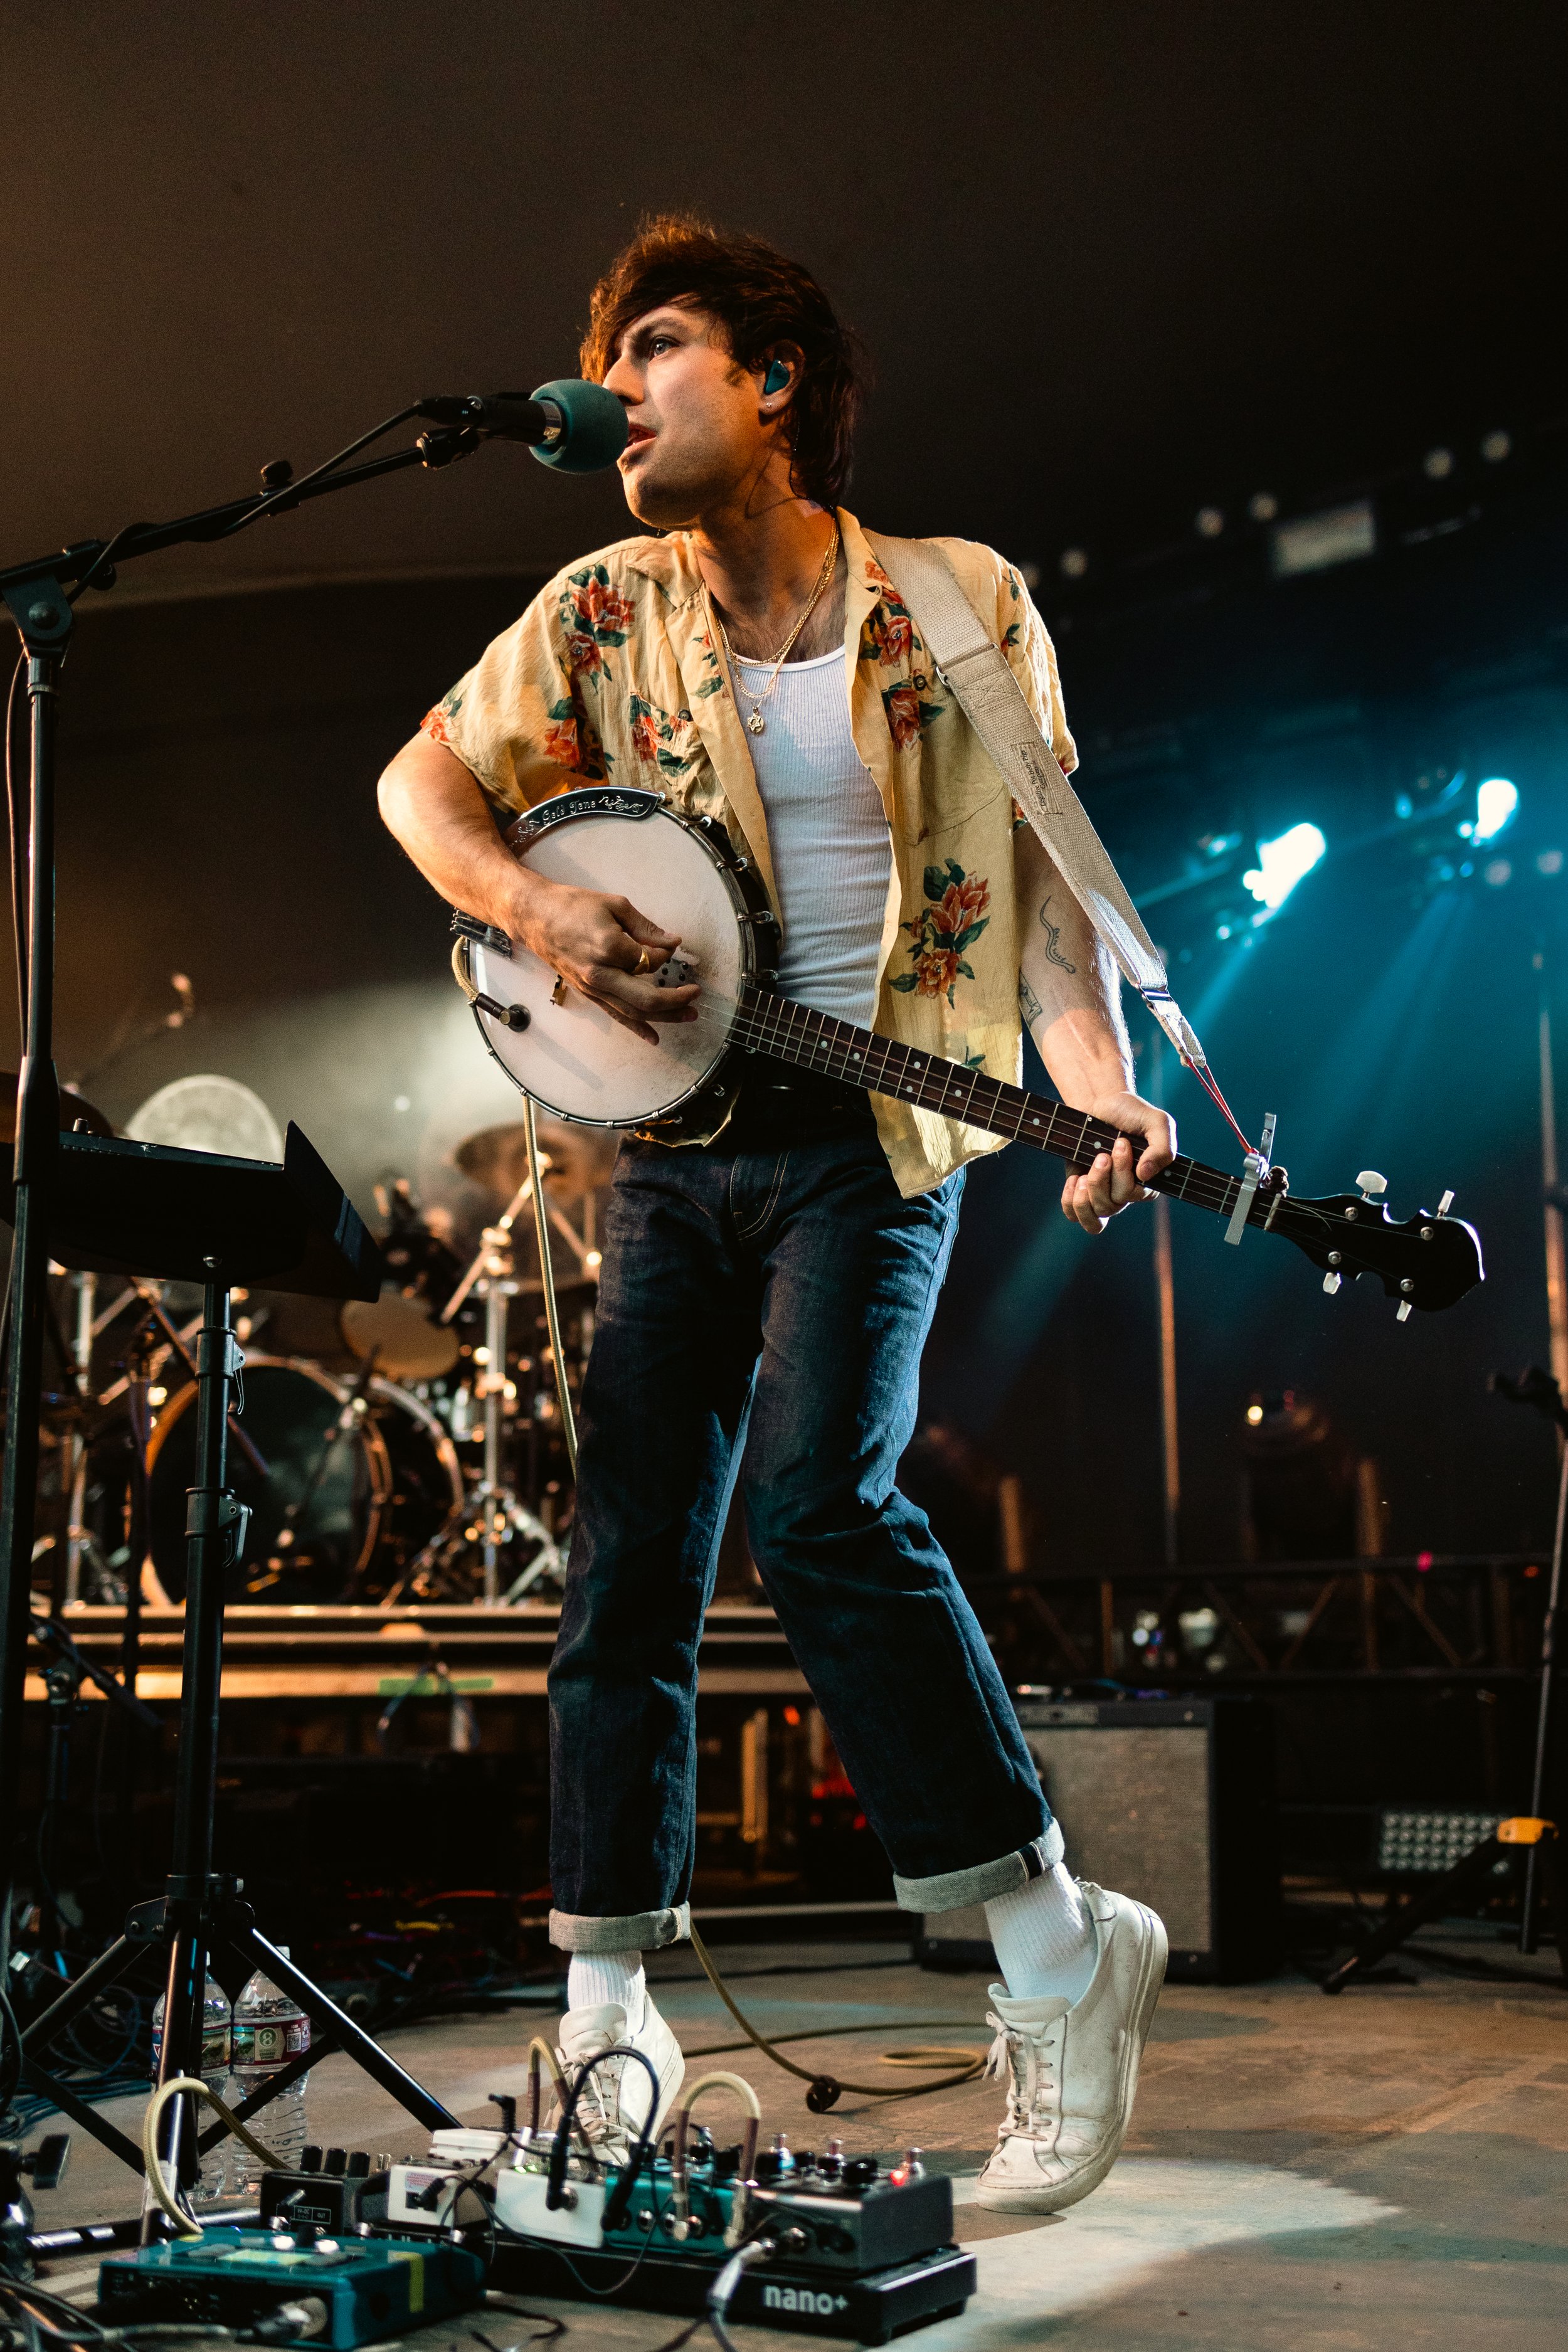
pixel 828 833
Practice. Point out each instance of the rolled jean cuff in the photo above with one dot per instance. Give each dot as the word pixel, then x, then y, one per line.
pixel 637 1931
pixel 954 1890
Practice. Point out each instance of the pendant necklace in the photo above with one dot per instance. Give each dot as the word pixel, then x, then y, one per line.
pixel 755 722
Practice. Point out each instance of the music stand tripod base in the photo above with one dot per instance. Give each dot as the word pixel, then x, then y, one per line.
pixel 145 1209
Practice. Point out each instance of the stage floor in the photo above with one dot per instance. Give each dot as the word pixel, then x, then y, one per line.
pixel 1385 2171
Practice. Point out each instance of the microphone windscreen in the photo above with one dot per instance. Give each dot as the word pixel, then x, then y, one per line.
pixel 596 426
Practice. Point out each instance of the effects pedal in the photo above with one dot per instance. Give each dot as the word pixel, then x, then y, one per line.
pixel 292 2287
pixel 421 2196
pixel 335 2192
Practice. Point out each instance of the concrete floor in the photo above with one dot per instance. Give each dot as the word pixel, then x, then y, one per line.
pixel 1389 2170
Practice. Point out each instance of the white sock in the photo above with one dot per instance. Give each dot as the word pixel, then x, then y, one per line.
pixel 593 1978
pixel 1044 1937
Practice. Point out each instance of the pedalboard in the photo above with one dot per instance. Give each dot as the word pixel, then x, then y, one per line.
pixel 853 2248
pixel 296 2287
pixel 869 2308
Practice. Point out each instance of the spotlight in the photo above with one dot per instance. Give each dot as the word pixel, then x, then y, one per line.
pixel 1548 862
pixel 1263 506
pixel 1209 522
pixel 1438 465
pixel 1496 448
pixel 1496 802
pixel 1255 1414
pixel 1282 864
pixel 1499 872
pixel 1074 562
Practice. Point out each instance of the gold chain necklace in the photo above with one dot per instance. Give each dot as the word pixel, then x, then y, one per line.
pixel 757 722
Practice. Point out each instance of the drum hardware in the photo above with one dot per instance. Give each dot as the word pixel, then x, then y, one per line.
pixel 178 1338
pixel 353 1494
pixel 494 1518
pixel 353 1413
pixel 401 1327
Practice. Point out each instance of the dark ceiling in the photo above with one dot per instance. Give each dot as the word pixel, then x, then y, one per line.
pixel 1114 258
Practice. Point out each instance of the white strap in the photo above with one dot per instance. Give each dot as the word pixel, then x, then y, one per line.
pixel 978 673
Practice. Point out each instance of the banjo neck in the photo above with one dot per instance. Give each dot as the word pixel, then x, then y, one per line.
pixel 784 1030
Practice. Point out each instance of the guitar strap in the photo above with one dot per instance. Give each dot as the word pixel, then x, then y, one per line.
pixel 978 672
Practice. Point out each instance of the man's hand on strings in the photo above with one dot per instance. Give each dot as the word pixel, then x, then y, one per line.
pixel 1093 1195
pixel 602 947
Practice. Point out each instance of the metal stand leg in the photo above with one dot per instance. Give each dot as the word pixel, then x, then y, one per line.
pixel 1527 1926
pixel 200 1913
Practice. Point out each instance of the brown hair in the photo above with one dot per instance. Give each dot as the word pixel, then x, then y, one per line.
pixel 760 298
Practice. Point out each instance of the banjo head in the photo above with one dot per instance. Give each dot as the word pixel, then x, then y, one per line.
pixel 572 1057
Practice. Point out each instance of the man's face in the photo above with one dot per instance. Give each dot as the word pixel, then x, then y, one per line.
pixel 696 434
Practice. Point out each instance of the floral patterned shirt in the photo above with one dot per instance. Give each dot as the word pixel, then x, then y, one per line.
pixel 614 673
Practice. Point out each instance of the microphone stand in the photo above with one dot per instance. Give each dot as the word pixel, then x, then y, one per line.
pixel 35 595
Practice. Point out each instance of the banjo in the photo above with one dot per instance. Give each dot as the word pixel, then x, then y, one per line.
pixel 685 874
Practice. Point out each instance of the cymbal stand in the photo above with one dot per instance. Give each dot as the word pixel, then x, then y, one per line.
pixel 494 1516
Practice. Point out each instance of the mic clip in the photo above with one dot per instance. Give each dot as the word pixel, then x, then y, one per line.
pixel 444 444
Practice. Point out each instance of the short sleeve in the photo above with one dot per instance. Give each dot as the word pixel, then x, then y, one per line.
pixel 516 719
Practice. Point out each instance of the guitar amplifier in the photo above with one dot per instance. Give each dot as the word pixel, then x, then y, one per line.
pixel 1167 1799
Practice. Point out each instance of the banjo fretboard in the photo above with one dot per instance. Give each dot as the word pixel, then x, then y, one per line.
pixel 788 1031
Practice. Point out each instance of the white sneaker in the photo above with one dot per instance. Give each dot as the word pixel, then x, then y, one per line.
pixel 1074 2069
pixel 617 2096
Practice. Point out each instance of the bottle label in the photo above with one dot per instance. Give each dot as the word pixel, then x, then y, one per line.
pixel 270 2041
pixel 215 2048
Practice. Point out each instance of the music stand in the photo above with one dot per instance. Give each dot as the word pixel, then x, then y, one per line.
pixel 117 1207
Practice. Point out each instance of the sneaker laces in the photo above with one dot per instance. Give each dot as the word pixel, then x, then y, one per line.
pixel 598 2114
pixel 1025 2063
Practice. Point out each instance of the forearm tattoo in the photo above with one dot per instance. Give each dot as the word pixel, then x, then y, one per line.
pixel 1053 932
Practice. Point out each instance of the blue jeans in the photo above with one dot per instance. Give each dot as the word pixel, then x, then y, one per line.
pixel 763 1301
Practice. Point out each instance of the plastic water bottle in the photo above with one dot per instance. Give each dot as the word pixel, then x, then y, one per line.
pixel 213 2188
pixel 270 2029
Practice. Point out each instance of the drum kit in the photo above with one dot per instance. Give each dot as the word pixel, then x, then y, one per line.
pixel 397 1451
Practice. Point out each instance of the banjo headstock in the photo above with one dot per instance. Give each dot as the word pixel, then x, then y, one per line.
pixel 1429 1262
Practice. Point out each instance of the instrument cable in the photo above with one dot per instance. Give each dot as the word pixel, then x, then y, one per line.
pixel 547 1283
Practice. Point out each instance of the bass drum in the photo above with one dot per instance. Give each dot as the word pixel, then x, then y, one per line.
pixel 348 1498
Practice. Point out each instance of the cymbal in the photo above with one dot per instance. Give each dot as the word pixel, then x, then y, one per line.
pixel 580 1159
pixel 401 1333
pixel 209 1113
pixel 73 1106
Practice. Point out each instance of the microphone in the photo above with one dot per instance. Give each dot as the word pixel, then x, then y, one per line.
pixel 575 427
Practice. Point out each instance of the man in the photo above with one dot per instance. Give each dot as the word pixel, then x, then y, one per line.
pixel 766 1293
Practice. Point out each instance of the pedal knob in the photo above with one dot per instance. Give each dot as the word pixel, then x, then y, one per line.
pixel 1373 1185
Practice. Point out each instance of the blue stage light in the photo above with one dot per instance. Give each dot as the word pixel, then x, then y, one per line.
pixel 1282 864
pixel 1496 802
